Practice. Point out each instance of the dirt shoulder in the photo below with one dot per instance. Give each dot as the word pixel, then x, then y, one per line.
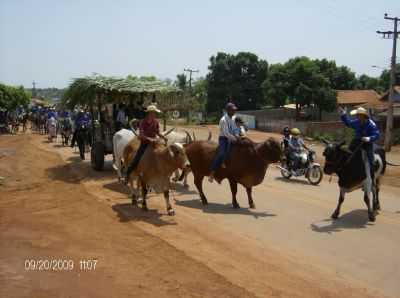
pixel 42 218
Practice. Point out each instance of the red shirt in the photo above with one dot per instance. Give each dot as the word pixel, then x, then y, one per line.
pixel 149 128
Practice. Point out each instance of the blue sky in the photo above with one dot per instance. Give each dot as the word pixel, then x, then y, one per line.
pixel 52 41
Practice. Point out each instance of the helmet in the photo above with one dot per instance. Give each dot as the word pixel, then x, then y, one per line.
pixel 286 130
pixel 295 131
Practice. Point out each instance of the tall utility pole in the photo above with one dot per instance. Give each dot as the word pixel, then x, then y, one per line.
pixel 389 118
pixel 34 89
pixel 190 71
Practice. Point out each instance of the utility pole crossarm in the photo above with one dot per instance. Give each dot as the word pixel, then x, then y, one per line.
pixel 190 71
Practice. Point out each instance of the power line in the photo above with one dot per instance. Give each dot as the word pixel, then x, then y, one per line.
pixel 389 118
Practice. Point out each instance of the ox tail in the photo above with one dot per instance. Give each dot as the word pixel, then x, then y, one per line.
pixel 209 134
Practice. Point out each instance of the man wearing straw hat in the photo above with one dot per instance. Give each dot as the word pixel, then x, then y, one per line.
pixel 149 129
pixel 366 133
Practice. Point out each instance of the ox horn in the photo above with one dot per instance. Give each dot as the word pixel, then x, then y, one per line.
pixel 168 132
pixel 324 141
pixel 135 133
pixel 188 136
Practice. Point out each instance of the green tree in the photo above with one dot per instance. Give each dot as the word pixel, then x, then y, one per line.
pixel 366 82
pixel 385 78
pixel 181 81
pixel 13 97
pixel 341 78
pixel 275 87
pixel 199 92
pixel 301 71
pixel 236 78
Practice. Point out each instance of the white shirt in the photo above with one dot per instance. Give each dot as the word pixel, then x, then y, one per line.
pixel 227 127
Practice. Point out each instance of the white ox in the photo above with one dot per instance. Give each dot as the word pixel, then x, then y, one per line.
pixel 120 140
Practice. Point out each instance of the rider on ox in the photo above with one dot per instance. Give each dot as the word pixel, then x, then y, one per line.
pixel 366 134
pixel 149 129
pixel 82 119
pixel 228 134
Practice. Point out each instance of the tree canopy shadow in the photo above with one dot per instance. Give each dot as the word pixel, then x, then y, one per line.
pixel 77 170
pixel 180 189
pixel 117 187
pixel 127 212
pixel 355 219
pixel 217 208
pixel 294 180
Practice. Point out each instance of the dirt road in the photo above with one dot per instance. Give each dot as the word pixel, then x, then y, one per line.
pixel 54 206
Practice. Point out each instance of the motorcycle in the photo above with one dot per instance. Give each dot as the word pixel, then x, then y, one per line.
pixel 305 166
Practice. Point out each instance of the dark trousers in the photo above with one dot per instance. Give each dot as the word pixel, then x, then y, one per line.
pixel 74 138
pixel 369 149
pixel 135 162
pixel 224 148
pixel 295 159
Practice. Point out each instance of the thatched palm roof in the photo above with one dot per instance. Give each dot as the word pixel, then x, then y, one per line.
pixel 83 91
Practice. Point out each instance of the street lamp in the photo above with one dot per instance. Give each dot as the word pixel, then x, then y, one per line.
pixel 377 66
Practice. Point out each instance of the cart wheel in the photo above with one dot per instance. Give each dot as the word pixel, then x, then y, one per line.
pixel 97 156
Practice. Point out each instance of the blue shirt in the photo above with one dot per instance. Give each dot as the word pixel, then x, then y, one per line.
pixel 51 114
pixel 296 144
pixel 368 129
pixel 82 119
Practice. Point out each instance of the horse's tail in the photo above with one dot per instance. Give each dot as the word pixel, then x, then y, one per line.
pixel 381 152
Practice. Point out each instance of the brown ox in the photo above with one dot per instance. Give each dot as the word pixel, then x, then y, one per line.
pixel 154 170
pixel 247 164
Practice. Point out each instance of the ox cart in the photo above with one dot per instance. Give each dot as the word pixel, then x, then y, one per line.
pixel 102 96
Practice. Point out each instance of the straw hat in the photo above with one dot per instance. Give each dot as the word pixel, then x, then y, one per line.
pixel 295 131
pixel 359 111
pixel 152 108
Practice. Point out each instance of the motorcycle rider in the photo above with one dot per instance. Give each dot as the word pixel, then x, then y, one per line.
pixel 295 146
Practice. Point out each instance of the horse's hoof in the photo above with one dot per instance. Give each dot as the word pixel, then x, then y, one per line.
pixel 171 212
pixel 204 202
pixel 252 206
pixel 236 206
pixel 335 215
pixel 144 208
pixel 134 202
pixel 372 217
